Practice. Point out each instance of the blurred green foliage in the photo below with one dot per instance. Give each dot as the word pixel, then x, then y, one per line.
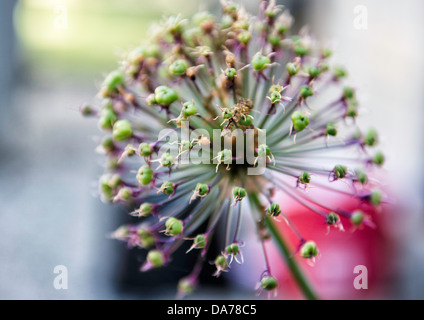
pixel 97 32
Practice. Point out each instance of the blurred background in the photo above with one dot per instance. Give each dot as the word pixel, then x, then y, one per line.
pixel 54 54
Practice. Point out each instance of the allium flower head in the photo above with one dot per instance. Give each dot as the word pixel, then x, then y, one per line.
pixel 212 117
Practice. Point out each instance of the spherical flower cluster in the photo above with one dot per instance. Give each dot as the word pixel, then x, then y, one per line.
pixel 271 94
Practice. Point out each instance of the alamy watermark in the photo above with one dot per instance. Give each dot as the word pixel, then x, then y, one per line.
pixel 360 21
pixel 60 282
pixel 361 280
pixel 60 21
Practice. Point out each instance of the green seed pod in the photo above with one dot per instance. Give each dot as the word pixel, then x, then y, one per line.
pixel 326 53
pixel 332 218
pixel 309 250
pixel 226 21
pixel 292 69
pixel 357 218
pixel 174 226
pixel 147 241
pixel 239 193
pixel 199 241
pixel 244 37
pixel 362 177
pixel 264 151
pixel 340 171
pixel 305 178
pixel 230 73
pixel 300 121
pixel 378 158
pixel 282 28
pixel 186 286
pixel 113 81
pixel 275 88
pixel 115 180
pixel 269 283
pixel 200 17
pixel 167 188
pixel 375 197
pixel 87 110
pixel 156 258
pixel 151 100
pixel 331 130
pixel 106 190
pixel 107 119
pixel 145 209
pixel 165 96
pixel 371 138
pixel 121 233
pixel 245 121
pixel 233 249
pixel 112 164
pixel 125 193
pixel 275 97
pixel 274 209
pixel 166 160
pixel 145 149
pixel 145 175
pixel 202 189
pixel 108 144
pixel 221 262
pixel 300 50
pixel 189 109
pixel 130 150
pixel 306 91
pixel 348 93
pixel 314 72
pixel 122 130
pixel 274 40
pixel 179 67
pixel 260 62
pixel 323 66
pixel 351 111
pixel 227 114
pixel 340 72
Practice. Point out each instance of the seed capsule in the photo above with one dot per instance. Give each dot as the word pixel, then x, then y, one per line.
pixel 174 226
pixel 167 188
pixel 274 209
pixel 260 62
pixel 165 96
pixel 189 109
pixel 156 258
pixel 145 209
pixel 305 178
pixel 179 67
pixel 145 175
pixel 309 250
pixel 122 130
pixel 300 121
pixel 306 91
pixel 332 218
pixel 340 171
pixel 239 193
pixel 145 149
pixel 357 218
pixel 269 283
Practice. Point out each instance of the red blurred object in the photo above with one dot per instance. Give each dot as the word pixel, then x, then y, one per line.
pixel 332 275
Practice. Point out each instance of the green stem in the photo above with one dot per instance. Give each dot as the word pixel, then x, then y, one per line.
pixel 302 282
pixel 297 274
